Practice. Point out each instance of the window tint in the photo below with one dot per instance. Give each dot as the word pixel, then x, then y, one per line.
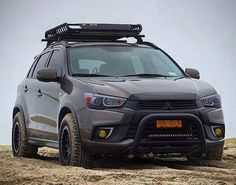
pixel 56 62
pixel 41 63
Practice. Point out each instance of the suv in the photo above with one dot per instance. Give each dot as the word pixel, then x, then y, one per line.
pixel 91 93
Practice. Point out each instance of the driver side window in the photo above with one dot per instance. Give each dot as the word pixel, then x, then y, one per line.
pixel 41 63
pixel 56 62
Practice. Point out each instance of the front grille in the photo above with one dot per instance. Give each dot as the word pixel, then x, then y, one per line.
pixel 189 131
pixel 166 105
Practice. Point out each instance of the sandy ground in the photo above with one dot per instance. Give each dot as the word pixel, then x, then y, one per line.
pixel 47 170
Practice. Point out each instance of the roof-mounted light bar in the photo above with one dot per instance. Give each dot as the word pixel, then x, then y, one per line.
pixel 92 32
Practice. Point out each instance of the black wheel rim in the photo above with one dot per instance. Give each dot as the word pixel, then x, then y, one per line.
pixel 65 144
pixel 16 137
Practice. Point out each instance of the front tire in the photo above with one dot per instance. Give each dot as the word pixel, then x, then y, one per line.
pixel 20 146
pixel 70 147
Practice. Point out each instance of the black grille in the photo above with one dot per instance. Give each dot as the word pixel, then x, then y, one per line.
pixel 167 105
pixel 189 131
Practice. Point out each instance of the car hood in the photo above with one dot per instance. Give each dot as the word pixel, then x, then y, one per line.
pixel 151 87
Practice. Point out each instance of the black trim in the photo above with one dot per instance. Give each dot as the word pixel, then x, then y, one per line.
pixel 43 142
pixel 107 147
pixel 214 145
pixel 147 118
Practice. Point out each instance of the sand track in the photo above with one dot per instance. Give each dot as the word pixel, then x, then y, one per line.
pixel 47 170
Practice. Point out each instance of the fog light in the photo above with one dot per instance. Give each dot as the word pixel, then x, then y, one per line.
pixel 102 133
pixel 218 131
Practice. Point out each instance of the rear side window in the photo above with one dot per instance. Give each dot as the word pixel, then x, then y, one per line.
pixel 41 63
pixel 56 62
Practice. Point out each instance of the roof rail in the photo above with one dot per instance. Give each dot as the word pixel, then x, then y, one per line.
pixel 92 32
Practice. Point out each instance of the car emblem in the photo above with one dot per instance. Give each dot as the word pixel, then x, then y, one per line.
pixel 167 106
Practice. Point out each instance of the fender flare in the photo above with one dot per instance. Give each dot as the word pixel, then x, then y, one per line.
pixel 17 106
pixel 73 112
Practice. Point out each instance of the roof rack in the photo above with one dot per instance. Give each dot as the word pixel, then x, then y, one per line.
pixel 92 32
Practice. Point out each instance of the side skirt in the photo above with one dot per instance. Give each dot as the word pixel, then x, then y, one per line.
pixel 43 142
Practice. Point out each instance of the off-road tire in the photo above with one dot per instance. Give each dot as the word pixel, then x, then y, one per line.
pixel 19 133
pixel 77 155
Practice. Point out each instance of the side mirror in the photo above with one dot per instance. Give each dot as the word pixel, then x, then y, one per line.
pixel 193 73
pixel 47 74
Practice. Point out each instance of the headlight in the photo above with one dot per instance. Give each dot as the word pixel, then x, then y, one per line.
pixel 212 101
pixel 97 101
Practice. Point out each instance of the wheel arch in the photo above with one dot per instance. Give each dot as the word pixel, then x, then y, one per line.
pixel 17 109
pixel 66 110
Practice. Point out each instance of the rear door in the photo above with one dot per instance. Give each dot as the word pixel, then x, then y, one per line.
pixel 48 100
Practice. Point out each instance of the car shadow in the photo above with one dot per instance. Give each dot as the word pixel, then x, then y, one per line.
pixel 104 163
pixel 155 163
pixel 52 158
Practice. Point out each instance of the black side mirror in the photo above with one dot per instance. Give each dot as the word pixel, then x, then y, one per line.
pixel 47 74
pixel 193 73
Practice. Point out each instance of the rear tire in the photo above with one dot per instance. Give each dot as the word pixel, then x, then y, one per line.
pixel 20 146
pixel 70 147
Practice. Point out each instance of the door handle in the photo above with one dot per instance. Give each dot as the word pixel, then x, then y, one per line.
pixel 26 88
pixel 39 93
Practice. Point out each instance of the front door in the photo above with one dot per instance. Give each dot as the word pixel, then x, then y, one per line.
pixel 48 100
pixel 31 88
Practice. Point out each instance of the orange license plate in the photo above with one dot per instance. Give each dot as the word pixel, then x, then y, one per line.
pixel 169 123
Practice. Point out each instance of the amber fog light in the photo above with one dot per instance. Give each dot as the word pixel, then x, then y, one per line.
pixel 218 131
pixel 104 133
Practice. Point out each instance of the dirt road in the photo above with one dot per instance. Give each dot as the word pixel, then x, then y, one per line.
pixel 47 170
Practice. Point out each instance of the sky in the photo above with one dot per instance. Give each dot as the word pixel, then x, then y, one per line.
pixel 199 34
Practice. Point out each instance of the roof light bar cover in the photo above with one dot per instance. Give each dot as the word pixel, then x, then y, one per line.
pixel 92 32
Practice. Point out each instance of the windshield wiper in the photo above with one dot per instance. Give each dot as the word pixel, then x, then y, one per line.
pixel 147 75
pixel 139 75
pixel 90 75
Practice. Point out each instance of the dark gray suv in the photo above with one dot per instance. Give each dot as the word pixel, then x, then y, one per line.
pixel 90 93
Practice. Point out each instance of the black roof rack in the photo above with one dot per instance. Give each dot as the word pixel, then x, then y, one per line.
pixel 92 32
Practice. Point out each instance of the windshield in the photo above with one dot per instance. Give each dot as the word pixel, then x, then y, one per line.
pixel 118 61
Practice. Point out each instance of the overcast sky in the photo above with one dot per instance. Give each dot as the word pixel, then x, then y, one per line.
pixel 199 34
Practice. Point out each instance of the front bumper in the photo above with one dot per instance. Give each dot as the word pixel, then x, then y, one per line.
pixel 126 146
pixel 214 145
pixel 107 147
pixel 119 143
